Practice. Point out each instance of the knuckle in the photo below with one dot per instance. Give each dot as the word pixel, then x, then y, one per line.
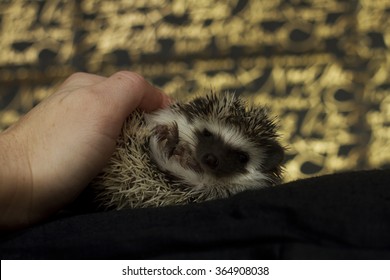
pixel 77 76
pixel 74 78
pixel 134 78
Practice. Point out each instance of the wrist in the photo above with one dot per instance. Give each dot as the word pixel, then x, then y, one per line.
pixel 15 183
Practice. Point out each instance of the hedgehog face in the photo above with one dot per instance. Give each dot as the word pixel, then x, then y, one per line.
pixel 216 143
pixel 218 157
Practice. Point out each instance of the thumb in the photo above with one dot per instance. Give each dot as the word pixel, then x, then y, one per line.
pixel 127 91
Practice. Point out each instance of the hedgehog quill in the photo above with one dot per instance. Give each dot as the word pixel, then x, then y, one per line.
pixel 211 147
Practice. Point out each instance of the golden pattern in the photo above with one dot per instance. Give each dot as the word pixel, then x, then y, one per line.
pixel 322 66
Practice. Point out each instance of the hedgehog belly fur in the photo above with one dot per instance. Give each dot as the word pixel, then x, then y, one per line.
pixel 132 180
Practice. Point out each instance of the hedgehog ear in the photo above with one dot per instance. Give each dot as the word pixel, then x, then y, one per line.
pixel 275 155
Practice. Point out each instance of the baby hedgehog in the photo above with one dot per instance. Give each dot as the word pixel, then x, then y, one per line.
pixel 211 147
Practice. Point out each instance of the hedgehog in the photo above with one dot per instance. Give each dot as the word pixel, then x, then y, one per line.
pixel 211 147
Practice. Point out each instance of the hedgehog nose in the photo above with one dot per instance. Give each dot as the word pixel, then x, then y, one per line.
pixel 210 160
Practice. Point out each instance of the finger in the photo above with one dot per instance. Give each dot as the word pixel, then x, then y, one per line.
pixel 128 91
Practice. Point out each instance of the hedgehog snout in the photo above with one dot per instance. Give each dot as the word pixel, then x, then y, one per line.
pixel 210 160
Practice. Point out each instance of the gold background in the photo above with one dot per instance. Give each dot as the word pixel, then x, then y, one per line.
pixel 322 65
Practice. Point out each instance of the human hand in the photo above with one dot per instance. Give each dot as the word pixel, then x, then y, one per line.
pixel 54 151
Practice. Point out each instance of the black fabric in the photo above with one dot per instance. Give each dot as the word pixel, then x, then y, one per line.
pixel 340 216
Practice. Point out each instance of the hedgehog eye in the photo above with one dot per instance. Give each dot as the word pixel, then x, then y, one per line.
pixel 243 157
pixel 206 133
